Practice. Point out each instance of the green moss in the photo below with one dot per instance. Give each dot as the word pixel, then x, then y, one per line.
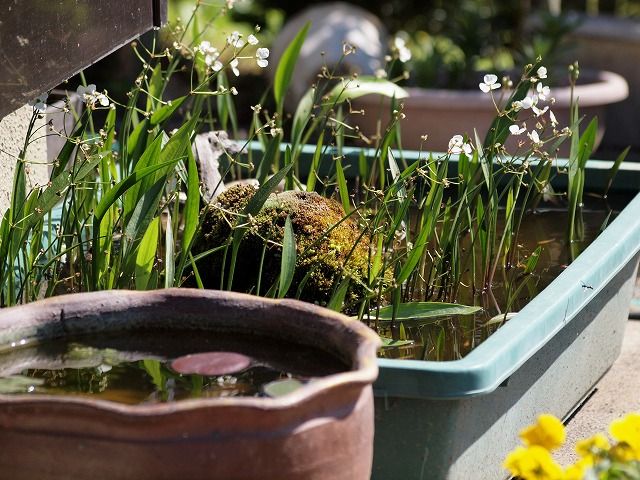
pixel 328 246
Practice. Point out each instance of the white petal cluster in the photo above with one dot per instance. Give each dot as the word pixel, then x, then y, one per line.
pixel 262 54
pixel 543 91
pixel 542 73
pixel 234 67
pixel 235 40
pixel 457 145
pixel 490 83
pixel 535 138
pixel 400 47
pixel 92 97
pixel 39 103
pixel 211 54
pixel 518 130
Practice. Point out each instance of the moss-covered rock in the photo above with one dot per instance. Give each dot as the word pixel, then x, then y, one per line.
pixel 328 245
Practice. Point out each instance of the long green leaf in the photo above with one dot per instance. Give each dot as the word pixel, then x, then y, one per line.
pixel 284 72
pixel 421 310
pixel 337 299
pixel 164 112
pixel 192 205
pixel 288 261
pixel 343 190
pixel 313 172
pixel 169 258
pixel 146 255
pixel 614 169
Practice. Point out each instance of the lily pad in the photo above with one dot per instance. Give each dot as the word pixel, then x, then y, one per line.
pixel 18 384
pixel 211 363
pixel 279 388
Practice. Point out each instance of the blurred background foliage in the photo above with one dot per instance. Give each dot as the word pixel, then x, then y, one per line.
pixel 451 40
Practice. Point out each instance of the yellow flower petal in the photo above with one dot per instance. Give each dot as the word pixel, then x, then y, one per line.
pixel 627 430
pixel 533 463
pixel 622 453
pixel 591 447
pixel 548 433
pixel 577 470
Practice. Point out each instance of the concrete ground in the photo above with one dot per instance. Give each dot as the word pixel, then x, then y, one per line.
pixel 617 393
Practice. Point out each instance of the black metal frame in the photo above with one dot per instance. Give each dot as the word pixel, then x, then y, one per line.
pixel 42 42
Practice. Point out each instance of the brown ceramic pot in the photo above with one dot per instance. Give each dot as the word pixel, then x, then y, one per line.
pixel 441 113
pixel 323 430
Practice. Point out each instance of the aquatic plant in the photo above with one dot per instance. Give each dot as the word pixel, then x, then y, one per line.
pixel 395 246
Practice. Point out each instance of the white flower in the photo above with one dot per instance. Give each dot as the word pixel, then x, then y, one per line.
pixel 234 67
pixel 217 66
pixel 91 97
pixel 400 45
pixel 539 112
pixel 516 130
pixel 89 90
pixel 253 40
pixel 524 104
pixel 102 99
pixel 535 138
pixel 262 54
pixel 210 59
pixel 380 73
pixel 234 91
pixel 490 83
pixel 39 103
pixel 552 117
pixel 543 91
pixel 230 4
pixel 542 72
pixel 204 47
pixel 457 145
pixel 234 40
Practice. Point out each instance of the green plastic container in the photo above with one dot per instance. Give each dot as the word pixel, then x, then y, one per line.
pixel 457 420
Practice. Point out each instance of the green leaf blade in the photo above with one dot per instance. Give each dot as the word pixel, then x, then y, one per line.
pixel 288 263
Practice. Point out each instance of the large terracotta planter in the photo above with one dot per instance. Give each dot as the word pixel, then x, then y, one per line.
pixel 440 114
pixel 324 430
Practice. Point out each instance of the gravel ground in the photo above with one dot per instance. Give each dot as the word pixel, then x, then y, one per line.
pixel 617 393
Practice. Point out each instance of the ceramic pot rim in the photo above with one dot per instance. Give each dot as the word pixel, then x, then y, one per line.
pixel 602 88
pixel 22 321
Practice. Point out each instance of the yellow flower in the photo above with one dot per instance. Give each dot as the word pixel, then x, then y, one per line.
pixel 622 453
pixel 591 448
pixel 548 433
pixel 627 430
pixel 533 463
pixel 577 470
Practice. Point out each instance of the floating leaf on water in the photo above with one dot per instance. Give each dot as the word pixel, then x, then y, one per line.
pixel 18 384
pixel 211 363
pixel 420 310
pixel 282 387
pixel 391 343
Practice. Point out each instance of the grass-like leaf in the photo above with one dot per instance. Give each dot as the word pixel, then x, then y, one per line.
pixel 146 255
pixel 284 72
pixel 164 112
pixel 422 310
pixel 288 261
